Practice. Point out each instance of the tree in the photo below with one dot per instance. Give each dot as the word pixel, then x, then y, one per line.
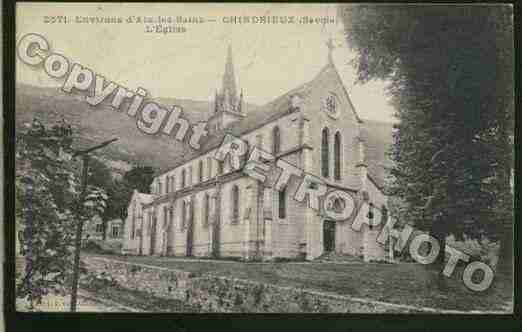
pixel 100 175
pixel 48 208
pixel 450 74
pixel 119 191
pixel 140 178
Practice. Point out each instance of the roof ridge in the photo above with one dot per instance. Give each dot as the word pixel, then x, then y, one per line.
pixel 355 113
pixel 262 115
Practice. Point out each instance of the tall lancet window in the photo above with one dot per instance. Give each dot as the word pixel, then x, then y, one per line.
pixel 209 166
pixel 337 156
pixel 183 178
pixel 276 141
pixel 200 171
pixel 183 213
pixel 282 203
pixel 325 153
pixel 235 204
pixel 171 217
pixel 165 217
pixel 206 210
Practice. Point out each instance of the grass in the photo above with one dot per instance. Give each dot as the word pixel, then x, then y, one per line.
pixel 140 300
pixel 404 283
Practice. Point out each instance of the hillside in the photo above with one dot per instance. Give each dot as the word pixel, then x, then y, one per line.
pixel 96 124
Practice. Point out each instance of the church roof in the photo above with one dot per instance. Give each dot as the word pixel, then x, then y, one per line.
pixel 280 107
pixel 254 119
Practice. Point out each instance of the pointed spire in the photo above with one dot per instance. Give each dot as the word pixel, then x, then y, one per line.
pixel 229 79
pixel 226 101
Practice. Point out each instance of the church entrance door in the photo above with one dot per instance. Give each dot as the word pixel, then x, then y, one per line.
pixel 328 236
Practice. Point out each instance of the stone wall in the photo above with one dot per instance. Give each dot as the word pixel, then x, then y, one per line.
pixel 219 294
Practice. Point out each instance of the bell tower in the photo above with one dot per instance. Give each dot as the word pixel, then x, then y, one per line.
pixel 228 106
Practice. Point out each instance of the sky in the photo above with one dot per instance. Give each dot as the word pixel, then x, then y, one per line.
pixel 269 59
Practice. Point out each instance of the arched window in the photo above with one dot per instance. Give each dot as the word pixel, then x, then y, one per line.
pixel 370 216
pixel 276 141
pixel 193 207
pixel 209 166
pixel 183 213
pixel 183 178
pixel 206 210
pixel 171 216
pixel 235 203
pixel 165 217
pixel 200 171
pixel 173 183
pixel 337 156
pixel 282 203
pixel 220 166
pixel 325 154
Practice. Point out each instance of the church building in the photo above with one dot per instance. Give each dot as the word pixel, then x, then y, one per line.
pixel 201 207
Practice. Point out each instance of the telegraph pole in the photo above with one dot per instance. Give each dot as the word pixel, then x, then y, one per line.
pixel 79 227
